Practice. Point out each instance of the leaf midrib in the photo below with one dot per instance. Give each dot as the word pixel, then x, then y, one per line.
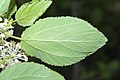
pixel 70 41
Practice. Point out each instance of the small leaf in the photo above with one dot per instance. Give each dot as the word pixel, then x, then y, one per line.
pixel 12 9
pixel 29 71
pixel 61 41
pixel 4 4
pixel 29 12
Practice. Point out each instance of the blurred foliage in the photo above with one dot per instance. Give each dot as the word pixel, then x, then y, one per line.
pixel 103 71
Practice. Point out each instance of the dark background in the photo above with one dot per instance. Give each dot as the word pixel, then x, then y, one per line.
pixel 104 15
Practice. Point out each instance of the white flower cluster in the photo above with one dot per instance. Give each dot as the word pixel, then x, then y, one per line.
pixel 5 28
pixel 10 52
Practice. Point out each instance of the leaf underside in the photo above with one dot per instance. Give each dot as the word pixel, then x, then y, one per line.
pixel 61 41
pixel 29 71
pixel 29 12
pixel 4 6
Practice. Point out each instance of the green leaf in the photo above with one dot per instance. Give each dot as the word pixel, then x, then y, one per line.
pixel 29 71
pixel 4 4
pixel 29 12
pixel 12 9
pixel 61 41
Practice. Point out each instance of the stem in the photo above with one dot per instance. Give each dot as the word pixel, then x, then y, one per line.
pixel 18 38
pixel 14 21
pixel 14 37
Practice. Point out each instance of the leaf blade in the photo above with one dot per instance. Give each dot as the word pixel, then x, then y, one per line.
pixel 4 6
pixel 29 12
pixel 62 41
pixel 29 71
